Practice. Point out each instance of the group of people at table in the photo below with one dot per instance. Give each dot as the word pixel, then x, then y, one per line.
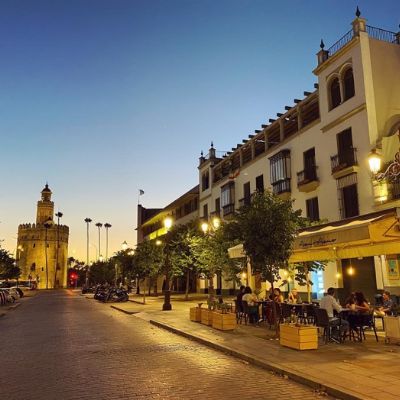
pixel 345 318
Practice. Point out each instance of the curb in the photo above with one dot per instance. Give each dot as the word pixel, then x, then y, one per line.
pixel 124 311
pixel 137 302
pixel 294 376
pixel 14 306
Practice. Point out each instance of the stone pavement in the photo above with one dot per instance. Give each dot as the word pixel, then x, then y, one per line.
pixel 60 346
pixel 352 370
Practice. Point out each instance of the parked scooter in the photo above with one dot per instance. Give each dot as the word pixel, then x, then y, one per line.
pixel 118 295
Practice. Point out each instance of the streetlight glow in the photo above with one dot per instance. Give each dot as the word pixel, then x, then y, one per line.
pixel 216 222
pixel 124 245
pixel 374 161
pixel 158 242
pixel 168 223
pixel 204 227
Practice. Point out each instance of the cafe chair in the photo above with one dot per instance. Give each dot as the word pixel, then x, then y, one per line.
pixel 286 312
pixel 322 321
pixel 368 322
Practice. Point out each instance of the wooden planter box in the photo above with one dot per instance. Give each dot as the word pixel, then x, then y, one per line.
pixel 299 337
pixel 224 322
pixel 206 316
pixel 392 329
pixel 195 314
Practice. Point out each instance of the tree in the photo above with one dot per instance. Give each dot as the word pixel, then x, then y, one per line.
pixel 182 257
pixel 267 228
pixel 147 261
pixel 102 271
pixel 211 255
pixel 124 261
pixel 8 267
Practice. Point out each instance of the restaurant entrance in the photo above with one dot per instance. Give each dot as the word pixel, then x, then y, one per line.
pixel 359 276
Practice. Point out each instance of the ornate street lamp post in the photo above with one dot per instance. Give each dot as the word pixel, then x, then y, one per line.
pixel 167 292
pixel 107 226
pixel 99 225
pixel 58 215
pixel 88 221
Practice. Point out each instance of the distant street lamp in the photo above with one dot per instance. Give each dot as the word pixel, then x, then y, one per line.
pixel 124 245
pixel 58 215
pixel 101 259
pixel 47 226
pixel 99 225
pixel 88 221
pixel 167 292
pixel 107 226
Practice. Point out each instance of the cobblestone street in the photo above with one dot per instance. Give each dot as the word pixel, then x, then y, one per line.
pixel 59 345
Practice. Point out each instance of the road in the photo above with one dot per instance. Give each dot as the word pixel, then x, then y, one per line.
pixel 59 345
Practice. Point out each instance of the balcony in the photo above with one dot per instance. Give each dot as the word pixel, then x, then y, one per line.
pixel 307 179
pixel 229 209
pixel 246 201
pixel 282 188
pixel 344 163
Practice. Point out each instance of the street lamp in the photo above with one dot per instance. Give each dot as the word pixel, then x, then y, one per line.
pixel 58 215
pixel 99 225
pixel 124 245
pixel 167 293
pixel 374 161
pixel 47 226
pixel 88 221
pixel 101 259
pixel 107 226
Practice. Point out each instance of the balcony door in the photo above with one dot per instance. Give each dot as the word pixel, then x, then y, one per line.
pixel 345 147
pixel 309 164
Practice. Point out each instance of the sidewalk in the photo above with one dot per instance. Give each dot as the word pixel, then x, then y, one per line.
pixel 352 370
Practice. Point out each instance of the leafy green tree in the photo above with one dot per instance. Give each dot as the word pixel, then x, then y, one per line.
pixel 124 261
pixel 8 267
pixel 102 271
pixel 182 258
pixel 148 261
pixel 211 255
pixel 267 228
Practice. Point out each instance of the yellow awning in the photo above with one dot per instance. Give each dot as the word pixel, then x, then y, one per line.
pixel 369 235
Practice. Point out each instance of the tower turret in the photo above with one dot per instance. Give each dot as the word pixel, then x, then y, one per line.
pixel 45 207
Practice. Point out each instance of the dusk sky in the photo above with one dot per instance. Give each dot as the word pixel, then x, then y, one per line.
pixel 102 98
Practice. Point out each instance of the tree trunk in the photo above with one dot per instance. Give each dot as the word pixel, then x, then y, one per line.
pixel 144 291
pixel 275 316
pixel 187 285
pixel 211 291
pixel 149 286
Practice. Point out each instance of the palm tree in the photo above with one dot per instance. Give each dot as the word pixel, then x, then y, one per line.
pixel 99 225
pixel 107 226
pixel 88 221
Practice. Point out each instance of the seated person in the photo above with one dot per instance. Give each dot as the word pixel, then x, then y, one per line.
pixel 294 297
pixel 239 298
pixel 251 300
pixel 387 305
pixel 351 301
pixel 329 303
pixel 361 303
pixel 278 297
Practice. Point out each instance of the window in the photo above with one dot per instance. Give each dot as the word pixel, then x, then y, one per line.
pixel 334 92
pixel 260 183
pixel 205 211
pixel 345 147
pixel 246 190
pixel 227 194
pixel 348 196
pixel 310 172
pixel 312 209
pixel 34 245
pixel 217 205
pixel 205 181
pixel 280 172
pixel 348 83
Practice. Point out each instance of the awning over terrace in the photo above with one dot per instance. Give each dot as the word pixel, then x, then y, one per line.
pixel 368 235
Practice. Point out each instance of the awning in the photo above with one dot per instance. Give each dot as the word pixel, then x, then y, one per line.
pixel 364 236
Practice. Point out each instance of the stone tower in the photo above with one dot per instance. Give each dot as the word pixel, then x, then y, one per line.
pixel 42 248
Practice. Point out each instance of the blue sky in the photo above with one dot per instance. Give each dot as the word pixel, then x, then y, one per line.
pixel 102 98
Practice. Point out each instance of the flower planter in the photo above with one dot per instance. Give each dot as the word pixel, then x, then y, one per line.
pixel 302 337
pixel 195 314
pixel 224 322
pixel 206 316
pixel 392 329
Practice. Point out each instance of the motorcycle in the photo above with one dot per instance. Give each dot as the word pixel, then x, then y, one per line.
pixel 117 295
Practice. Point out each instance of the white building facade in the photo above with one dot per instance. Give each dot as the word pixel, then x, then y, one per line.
pixel 316 152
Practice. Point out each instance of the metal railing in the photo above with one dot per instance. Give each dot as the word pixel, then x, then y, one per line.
pixel 394 190
pixel 228 209
pixel 344 160
pixel 246 201
pixel 382 34
pixel 282 186
pixel 340 43
pixel 307 175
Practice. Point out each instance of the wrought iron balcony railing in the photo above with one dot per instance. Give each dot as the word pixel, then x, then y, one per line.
pixel 281 186
pixel 307 175
pixel 344 159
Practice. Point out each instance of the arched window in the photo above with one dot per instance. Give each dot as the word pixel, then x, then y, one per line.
pixel 334 91
pixel 348 83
